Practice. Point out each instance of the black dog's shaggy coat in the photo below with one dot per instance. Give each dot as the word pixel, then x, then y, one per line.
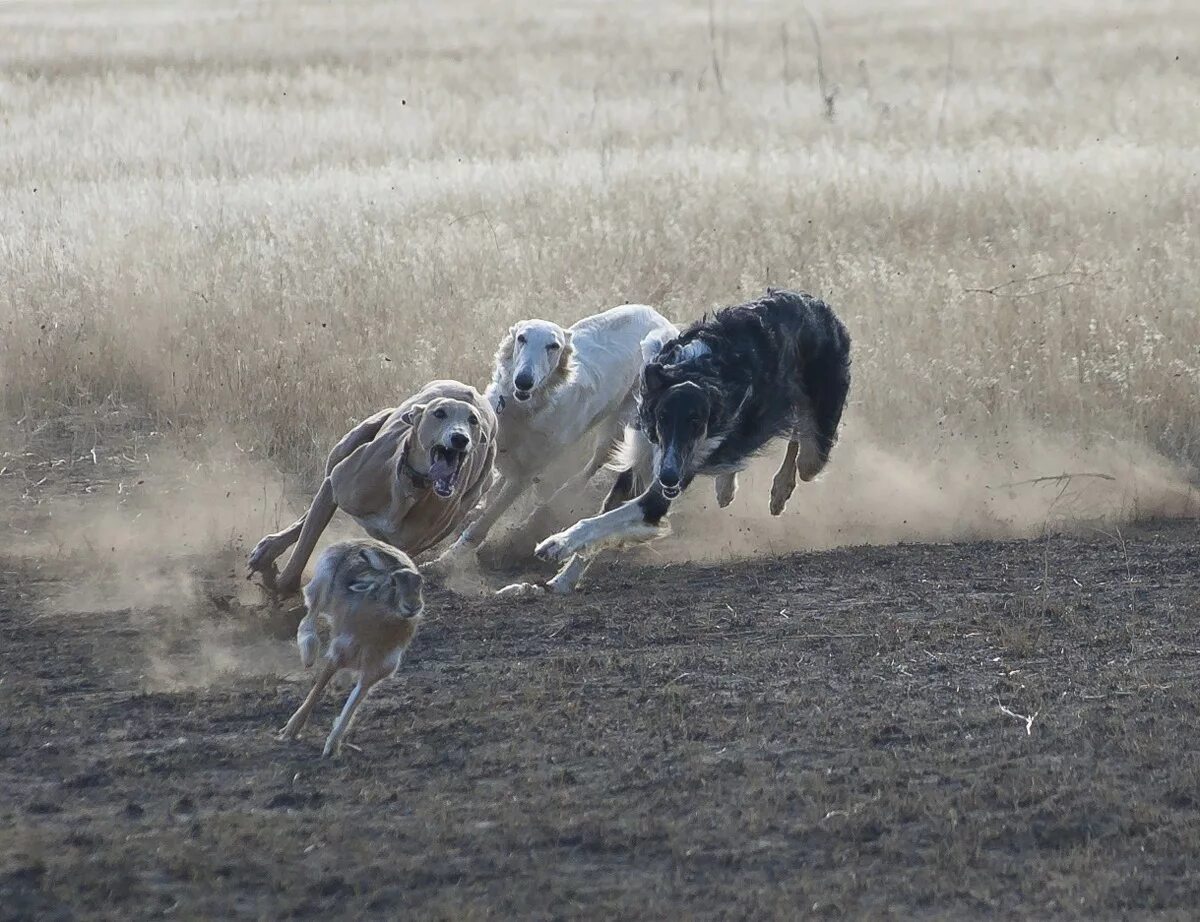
pixel 752 373
pixel 709 400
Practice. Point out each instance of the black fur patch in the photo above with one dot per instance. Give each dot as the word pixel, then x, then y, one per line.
pixel 765 363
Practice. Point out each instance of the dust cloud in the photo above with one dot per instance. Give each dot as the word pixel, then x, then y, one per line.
pixel 165 544
pixel 949 489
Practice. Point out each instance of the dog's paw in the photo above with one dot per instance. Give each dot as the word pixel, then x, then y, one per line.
pixel 557 548
pixel 262 562
pixel 560 587
pixel 521 590
pixel 781 492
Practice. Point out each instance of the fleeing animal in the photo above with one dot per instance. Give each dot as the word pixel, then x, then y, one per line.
pixel 370 595
pixel 714 397
pixel 407 475
pixel 553 388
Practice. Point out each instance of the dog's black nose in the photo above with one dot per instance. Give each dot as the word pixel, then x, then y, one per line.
pixel 668 478
pixel 458 441
pixel 523 381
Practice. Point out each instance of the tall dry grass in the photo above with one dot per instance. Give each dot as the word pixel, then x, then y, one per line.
pixel 273 218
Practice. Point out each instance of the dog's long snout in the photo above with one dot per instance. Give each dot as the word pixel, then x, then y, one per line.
pixel 523 380
pixel 670 470
pixel 458 441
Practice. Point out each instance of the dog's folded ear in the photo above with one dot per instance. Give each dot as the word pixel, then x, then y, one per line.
pixel 655 377
pixel 412 415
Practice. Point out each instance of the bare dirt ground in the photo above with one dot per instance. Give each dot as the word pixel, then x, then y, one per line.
pixel 948 731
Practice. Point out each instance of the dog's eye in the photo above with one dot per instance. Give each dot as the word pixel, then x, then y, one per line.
pixel 473 420
pixel 439 414
pixel 552 347
pixel 521 339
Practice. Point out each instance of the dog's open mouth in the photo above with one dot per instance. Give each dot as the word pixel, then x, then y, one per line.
pixel 670 492
pixel 444 467
pixel 522 395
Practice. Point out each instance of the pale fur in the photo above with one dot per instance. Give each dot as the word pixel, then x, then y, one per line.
pixel 370 595
pixel 584 390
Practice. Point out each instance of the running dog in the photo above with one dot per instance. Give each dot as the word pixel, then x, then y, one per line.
pixel 371 596
pixel 710 400
pixel 408 475
pixel 553 388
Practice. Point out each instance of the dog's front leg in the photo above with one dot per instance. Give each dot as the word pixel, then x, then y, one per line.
pixel 315 521
pixel 785 479
pixel 726 489
pixel 476 533
pixel 639 520
pixel 267 551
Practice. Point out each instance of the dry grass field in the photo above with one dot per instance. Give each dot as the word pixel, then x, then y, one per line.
pixel 228 230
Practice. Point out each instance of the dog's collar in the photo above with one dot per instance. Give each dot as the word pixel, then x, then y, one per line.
pixel 420 481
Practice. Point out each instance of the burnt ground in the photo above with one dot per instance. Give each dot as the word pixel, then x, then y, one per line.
pixel 946 731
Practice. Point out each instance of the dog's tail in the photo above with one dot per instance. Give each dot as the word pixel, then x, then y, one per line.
pixel 627 452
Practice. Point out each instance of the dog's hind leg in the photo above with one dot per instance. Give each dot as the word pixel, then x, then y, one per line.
pixel 828 384
pixel 565 580
pixel 785 479
pixel 726 489
pixel 300 718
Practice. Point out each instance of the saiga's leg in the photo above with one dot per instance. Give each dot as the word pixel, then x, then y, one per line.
pixel 300 718
pixel 369 676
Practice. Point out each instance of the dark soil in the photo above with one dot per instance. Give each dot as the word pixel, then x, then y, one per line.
pixel 950 731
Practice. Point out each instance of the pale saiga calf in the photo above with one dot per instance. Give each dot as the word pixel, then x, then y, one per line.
pixel 553 388
pixel 370 593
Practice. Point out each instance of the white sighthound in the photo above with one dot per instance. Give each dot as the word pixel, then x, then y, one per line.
pixel 553 388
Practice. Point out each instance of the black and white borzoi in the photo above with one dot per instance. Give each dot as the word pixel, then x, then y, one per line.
pixel 712 398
